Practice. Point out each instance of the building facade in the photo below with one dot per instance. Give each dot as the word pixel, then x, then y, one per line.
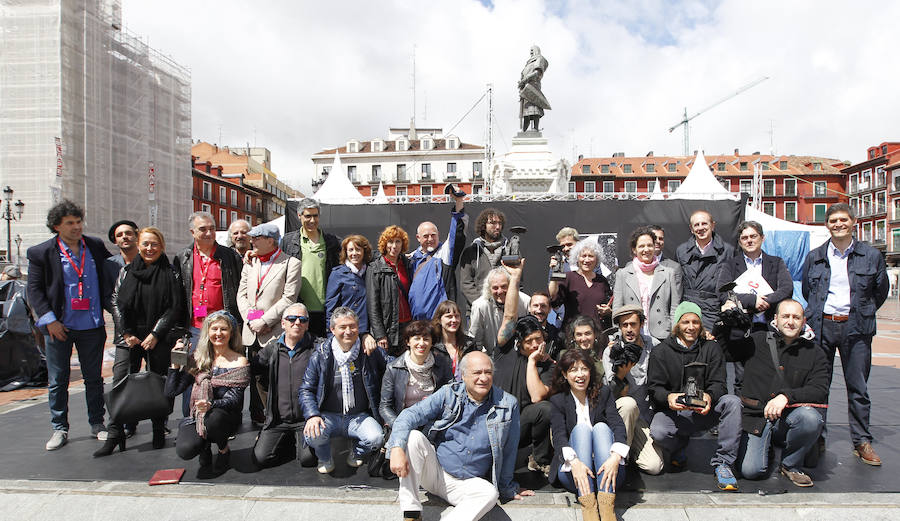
pixel 227 198
pixel 874 189
pixel 91 113
pixel 794 188
pixel 410 162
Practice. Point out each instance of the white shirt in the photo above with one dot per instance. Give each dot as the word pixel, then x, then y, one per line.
pixel 755 266
pixel 583 415
pixel 838 300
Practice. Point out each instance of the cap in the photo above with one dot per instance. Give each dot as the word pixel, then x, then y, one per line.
pixel 627 310
pixel 686 307
pixel 112 229
pixel 265 230
pixel 12 272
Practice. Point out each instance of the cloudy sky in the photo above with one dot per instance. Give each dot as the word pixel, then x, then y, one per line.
pixel 301 76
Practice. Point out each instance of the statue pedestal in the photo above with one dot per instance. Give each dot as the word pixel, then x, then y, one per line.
pixel 530 167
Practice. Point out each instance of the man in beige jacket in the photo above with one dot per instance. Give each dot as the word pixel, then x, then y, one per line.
pixel 269 284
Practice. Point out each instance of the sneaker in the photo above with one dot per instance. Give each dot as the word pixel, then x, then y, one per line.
pixel 57 440
pixel 726 478
pixel 325 467
pixel 99 430
pixel 797 477
pixel 354 461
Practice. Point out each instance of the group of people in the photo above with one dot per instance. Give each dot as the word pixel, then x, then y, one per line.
pixel 343 338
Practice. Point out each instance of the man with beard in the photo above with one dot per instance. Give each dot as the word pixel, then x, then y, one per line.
pixel 487 310
pixel 124 235
pixel 239 233
pixel 483 254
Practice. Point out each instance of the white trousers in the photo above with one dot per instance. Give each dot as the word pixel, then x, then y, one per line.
pixel 471 498
pixel 646 454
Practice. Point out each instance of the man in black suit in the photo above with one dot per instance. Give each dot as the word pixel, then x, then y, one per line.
pixel 69 285
pixel 772 269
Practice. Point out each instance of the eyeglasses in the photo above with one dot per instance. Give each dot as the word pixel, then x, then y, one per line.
pixel 294 318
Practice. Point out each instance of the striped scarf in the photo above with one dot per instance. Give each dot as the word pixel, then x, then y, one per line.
pixel 203 390
pixel 342 360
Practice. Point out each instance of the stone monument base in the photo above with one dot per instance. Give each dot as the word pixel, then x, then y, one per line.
pixel 530 167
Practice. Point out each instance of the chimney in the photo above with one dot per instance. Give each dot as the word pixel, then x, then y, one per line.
pixel 619 154
pixel 756 153
pixel 650 154
pixel 580 157
pixel 737 152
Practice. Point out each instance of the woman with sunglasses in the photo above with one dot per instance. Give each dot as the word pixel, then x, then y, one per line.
pixel 219 374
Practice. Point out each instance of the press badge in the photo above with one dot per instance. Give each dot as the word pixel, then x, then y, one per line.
pixel 253 314
pixel 81 304
pixel 200 311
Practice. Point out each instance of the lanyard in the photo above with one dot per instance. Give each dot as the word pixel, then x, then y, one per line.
pixel 262 276
pixel 79 270
pixel 203 271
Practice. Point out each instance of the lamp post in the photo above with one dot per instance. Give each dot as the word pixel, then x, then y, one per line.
pixel 9 217
pixel 18 250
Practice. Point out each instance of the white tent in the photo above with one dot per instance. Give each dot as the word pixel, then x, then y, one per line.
pixel 700 183
pixel 380 197
pixel 817 234
pixel 338 189
pixel 657 191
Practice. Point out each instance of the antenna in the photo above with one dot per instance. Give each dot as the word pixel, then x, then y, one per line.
pixel 489 142
pixel 414 83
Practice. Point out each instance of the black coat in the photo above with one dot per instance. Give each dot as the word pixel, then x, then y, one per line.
pixel 383 299
pixel 699 283
pixel 266 365
pixel 231 265
pixel 665 370
pixel 774 271
pixel 564 418
pixel 45 276
pixel 395 380
pixel 167 328
pixel 805 377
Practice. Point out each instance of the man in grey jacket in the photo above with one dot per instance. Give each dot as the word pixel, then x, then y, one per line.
pixel 483 254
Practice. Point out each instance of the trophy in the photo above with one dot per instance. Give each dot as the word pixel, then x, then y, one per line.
pixel 513 250
pixel 451 189
pixel 556 252
pixel 180 356
pixel 694 373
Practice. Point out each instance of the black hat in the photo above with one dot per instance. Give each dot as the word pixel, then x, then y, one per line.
pixel 112 229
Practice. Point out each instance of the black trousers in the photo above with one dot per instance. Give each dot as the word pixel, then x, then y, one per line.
pixel 276 437
pixel 534 422
pixel 220 424
pixel 128 360
pixel 256 407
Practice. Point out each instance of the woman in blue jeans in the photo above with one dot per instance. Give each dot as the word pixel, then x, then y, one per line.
pixel 588 436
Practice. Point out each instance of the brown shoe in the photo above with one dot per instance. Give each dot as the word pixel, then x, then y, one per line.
pixel 866 454
pixel 797 477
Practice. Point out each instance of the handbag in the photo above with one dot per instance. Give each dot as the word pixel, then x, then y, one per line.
pixel 138 396
pixel 379 464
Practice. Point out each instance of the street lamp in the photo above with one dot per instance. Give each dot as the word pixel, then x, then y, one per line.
pixel 8 215
pixel 19 248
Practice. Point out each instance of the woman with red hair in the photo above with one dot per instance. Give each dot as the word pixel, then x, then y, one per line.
pixel 387 289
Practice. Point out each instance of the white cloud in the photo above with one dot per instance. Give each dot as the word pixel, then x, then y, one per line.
pixel 298 77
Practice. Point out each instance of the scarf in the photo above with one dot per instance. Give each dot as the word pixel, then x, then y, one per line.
pixel 266 257
pixel 343 360
pixel 203 390
pixel 493 250
pixel 645 267
pixel 145 292
pixel 420 375
pixel 361 272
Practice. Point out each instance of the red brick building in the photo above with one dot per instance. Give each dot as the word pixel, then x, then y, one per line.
pixel 795 188
pixel 225 196
pixel 874 188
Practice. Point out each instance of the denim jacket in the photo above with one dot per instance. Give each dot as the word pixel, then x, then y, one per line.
pixel 443 408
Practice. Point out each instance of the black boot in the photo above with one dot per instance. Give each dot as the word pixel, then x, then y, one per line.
pixel 205 458
pixel 109 446
pixel 159 438
pixel 223 462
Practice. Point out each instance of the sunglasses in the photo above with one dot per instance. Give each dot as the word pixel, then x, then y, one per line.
pixel 294 318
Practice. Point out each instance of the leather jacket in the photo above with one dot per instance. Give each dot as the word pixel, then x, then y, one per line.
pixel 167 328
pixel 231 265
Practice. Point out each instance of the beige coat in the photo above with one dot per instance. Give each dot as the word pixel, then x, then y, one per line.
pixel 280 288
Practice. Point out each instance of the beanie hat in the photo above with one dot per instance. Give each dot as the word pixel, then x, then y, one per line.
pixel 686 307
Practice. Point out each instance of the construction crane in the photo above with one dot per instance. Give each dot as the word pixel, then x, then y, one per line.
pixel 685 119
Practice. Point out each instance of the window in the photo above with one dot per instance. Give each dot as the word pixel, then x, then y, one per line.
pixel 673 185
pixel 234 217
pixel 867 232
pixel 476 169
pixel 854 183
pixel 765 165
pixel 671 167
pixel 631 186
pixel 880 202
pixel 247 204
pixel 571 187
pixel 745 185
pixel 609 186
pixel 426 170
pixel 451 169
pixel 249 219
pixel 651 186
pixel 205 208
pixel 351 173
pixel 865 180
pixel 426 190
pixel 819 188
pixel 867 204
pixel 401 191
pixel 604 169
pixel 720 166
pixel 744 166
pixel 790 187
pixel 782 165
pixel 376 173
pixel 627 168
pixel 223 217
pixel 880 177
pixel 880 231
pixel 477 189
pixel 895 240
pixel 207 191
pixel 769 208
pixel 768 188
pixel 790 211
pixel 590 186
pixel 896 215
pixel 726 184
pixel 585 169
pixel 651 167
pixel 223 197
pixel 817 167
pixel 401 172
pixel 819 212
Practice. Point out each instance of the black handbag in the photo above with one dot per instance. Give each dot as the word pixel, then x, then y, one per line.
pixel 379 464
pixel 138 396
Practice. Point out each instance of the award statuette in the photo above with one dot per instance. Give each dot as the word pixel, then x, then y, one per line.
pixel 694 384
pixel 513 251
pixel 556 252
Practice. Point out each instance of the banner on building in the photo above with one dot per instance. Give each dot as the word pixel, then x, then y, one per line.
pixel 59 157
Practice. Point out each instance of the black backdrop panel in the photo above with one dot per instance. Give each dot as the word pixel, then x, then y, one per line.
pixel 542 218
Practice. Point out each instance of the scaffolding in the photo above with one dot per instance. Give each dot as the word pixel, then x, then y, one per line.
pixel 119 108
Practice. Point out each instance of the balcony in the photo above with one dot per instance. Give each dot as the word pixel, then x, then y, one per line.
pixel 375 180
pixel 426 178
pixel 895 188
pixel 402 179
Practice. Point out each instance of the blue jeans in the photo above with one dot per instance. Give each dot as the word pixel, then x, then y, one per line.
pixel 186 395
pixel 361 427
pixel 671 430
pixel 592 448
pixel 856 361
pixel 797 430
pixel 89 345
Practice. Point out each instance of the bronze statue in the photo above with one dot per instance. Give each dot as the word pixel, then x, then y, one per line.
pixel 532 102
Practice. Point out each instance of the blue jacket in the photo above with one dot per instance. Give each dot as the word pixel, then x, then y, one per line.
pixel 319 379
pixel 346 288
pixel 869 287
pixel 434 277
pixel 443 408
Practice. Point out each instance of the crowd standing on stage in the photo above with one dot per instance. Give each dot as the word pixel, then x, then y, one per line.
pixel 343 338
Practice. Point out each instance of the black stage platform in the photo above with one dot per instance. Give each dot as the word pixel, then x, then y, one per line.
pixel 24 431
